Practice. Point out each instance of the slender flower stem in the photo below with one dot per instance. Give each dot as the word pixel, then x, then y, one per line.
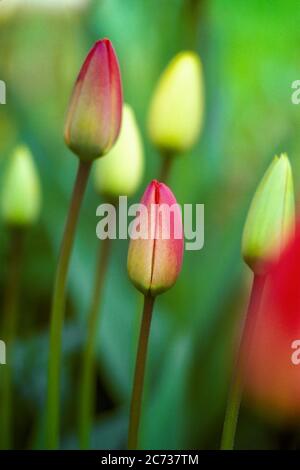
pixel 194 13
pixel 166 167
pixel 58 308
pixel 232 413
pixel 10 312
pixel 137 392
pixel 86 395
pixel 236 389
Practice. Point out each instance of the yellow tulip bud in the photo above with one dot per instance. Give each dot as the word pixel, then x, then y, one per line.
pixel 120 171
pixel 21 193
pixel 271 217
pixel 176 110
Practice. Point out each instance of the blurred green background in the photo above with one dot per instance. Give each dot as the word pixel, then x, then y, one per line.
pixel 250 54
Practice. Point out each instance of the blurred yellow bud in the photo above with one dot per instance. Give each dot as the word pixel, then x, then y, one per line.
pixel 121 170
pixel 176 110
pixel 271 218
pixel 21 193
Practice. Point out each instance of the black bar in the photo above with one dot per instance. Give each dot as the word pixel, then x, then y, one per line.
pixel 133 459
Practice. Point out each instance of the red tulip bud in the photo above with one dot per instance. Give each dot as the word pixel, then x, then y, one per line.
pixel 155 259
pixel 94 117
pixel 271 352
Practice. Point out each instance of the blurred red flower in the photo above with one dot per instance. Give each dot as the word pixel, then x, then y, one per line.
pixel 270 349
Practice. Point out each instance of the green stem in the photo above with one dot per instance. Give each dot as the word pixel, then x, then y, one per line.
pixel 236 389
pixel 10 312
pixel 87 385
pixel 194 13
pixel 232 413
pixel 137 392
pixel 58 308
pixel 166 166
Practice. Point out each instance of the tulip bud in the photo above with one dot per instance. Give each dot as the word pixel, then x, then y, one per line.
pixel 94 117
pixel 120 172
pixel 155 259
pixel 21 193
pixel 271 352
pixel 270 220
pixel 176 110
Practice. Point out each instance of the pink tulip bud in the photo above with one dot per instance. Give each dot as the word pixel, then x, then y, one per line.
pixel 155 259
pixel 271 349
pixel 94 116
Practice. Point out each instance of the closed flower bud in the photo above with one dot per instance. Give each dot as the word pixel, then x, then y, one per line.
pixel 156 246
pixel 21 193
pixel 270 220
pixel 94 116
pixel 120 172
pixel 271 353
pixel 176 110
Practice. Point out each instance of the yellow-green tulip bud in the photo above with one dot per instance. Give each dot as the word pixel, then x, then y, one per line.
pixel 21 192
pixel 121 170
pixel 176 110
pixel 271 218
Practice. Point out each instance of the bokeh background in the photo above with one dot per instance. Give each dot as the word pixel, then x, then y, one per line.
pixel 250 54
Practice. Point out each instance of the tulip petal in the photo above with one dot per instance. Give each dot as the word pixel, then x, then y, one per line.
pixel 140 254
pixel 121 171
pixel 168 253
pixel 154 263
pixel 270 219
pixel 94 117
pixel 271 378
pixel 176 110
pixel 21 190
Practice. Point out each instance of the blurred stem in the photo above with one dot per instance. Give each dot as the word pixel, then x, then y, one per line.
pixel 236 389
pixel 137 392
pixel 166 166
pixel 10 312
pixel 232 413
pixel 88 365
pixel 193 14
pixel 58 308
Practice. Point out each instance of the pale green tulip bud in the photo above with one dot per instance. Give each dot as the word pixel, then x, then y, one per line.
pixel 21 192
pixel 271 218
pixel 176 110
pixel 121 170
